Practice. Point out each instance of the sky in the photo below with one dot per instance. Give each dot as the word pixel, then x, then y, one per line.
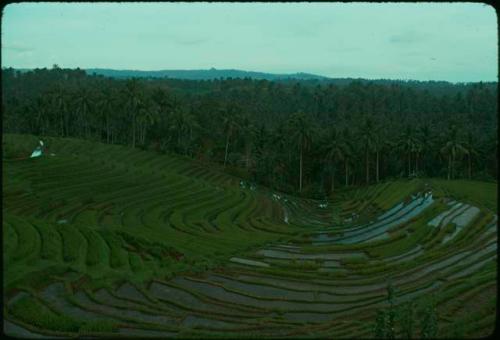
pixel 456 42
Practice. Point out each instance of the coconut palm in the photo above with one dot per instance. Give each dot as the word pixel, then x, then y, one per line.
pixel 40 108
pixel 183 123
pixel 106 103
pixel 84 104
pixel 59 100
pixel 472 151
pixel 453 147
pixel 249 133
pixel 347 152
pixel 333 152
pixel 148 115
pixel 231 124
pixel 133 100
pixel 302 135
pixel 408 143
pixel 367 138
pixel 426 143
pixel 382 147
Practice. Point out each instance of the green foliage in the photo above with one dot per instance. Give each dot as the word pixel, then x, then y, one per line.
pixel 118 255
pixel 458 330
pixel 400 320
pixel 33 312
pixel 51 242
pixel 478 193
pixel 429 326
pixel 87 200
pixel 97 327
pixel 407 320
pixel 74 244
pixel 257 144
pixel 97 248
pixel 380 325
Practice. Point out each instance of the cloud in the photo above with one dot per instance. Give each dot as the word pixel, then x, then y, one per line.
pixel 25 54
pixel 344 49
pixel 408 37
pixel 190 41
pixel 18 48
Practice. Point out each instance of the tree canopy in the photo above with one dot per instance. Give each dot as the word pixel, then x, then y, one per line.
pixel 295 136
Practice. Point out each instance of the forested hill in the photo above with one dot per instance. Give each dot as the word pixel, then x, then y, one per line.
pixel 307 79
pixel 443 87
pixel 200 74
pixel 293 136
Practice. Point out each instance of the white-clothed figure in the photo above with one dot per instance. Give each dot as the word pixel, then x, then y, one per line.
pixel 38 151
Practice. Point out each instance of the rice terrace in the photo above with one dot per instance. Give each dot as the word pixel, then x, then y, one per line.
pixel 232 204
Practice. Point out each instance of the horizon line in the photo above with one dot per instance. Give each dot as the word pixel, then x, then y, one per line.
pixel 264 72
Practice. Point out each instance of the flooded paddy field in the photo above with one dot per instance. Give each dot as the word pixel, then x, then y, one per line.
pixel 193 254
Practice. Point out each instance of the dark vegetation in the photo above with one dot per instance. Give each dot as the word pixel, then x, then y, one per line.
pixel 153 211
pixel 304 137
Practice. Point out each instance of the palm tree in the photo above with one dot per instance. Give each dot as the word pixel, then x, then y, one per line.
pixel 348 152
pixel 40 108
pixel 133 100
pixel 302 134
pixel 452 148
pixel 407 143
pixel 106 104
pixel 60 101
pixel 230 123
pixel 382 146
pixel 333 152
pixel 147 116
pixel 472 151
pixel 183 123
pixel 368 139
pixel 84 105
pixel 190 125
pixel 426 144
pixel 249 133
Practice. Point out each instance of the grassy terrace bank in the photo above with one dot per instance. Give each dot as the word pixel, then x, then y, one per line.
pixel 104 240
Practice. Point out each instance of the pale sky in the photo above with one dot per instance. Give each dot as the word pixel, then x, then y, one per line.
pixel 456 42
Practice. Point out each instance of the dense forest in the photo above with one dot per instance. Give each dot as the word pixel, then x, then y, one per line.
pixel 302 137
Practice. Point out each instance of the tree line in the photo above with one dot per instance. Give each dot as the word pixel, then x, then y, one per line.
pixel 298 137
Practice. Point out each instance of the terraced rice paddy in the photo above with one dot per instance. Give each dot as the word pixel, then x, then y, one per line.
pixel 103 240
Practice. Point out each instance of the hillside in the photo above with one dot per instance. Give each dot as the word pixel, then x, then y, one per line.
pixel 106 240
pixel 200 74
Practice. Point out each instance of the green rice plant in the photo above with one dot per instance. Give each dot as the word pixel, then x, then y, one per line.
pixel 354 260
pixel 136 262
pixel 51 242
pixel 89 199
pixel 100 326
pixel 31 311
pixel 9 240
pixel 307 265
pixel 476 192
pixel 28 244
pixel 97 251
pixel 118 255
pixel 74 244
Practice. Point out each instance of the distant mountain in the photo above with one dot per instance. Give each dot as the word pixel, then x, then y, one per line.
pixel 201 74
pixel 307 79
